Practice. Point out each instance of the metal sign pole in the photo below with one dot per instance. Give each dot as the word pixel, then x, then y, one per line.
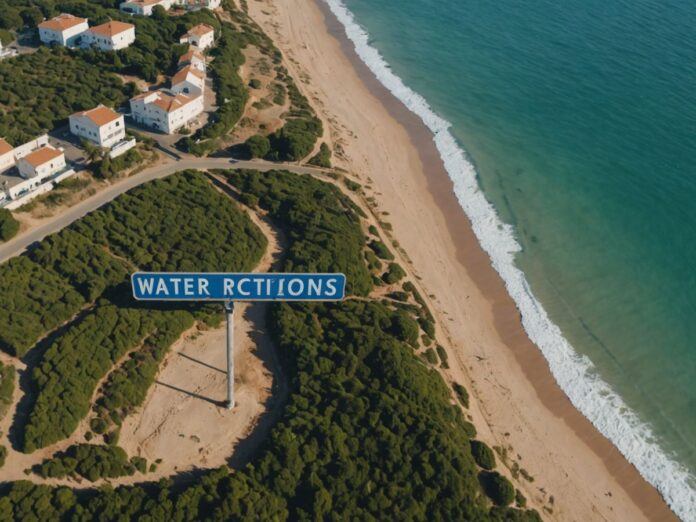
pixel 229 312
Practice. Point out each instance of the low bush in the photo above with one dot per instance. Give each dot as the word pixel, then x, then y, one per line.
pixel 257 146
pixel 381 250
pixel 394 274
pixel 498 488
pixel 90 461
pixel 483 455
pixel 461 393
pixel 9 226
pixel 322 158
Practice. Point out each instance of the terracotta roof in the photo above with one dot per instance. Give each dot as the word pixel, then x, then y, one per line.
pixel 5 147
pixel 190 55
pixel 200 30
pixel 100 115
pixel 62 22
pixel 169 103
pixel 41 156
pixel 110 29
pixel 183 74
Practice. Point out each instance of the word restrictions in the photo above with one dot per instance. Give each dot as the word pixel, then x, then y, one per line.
pixel 178 286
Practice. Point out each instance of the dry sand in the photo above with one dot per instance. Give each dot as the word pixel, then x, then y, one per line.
pixel 578 474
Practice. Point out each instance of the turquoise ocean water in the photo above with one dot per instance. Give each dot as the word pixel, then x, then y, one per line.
pixel 580 120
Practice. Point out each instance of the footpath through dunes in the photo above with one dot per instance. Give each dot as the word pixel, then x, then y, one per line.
pixel 181 223
pixel 369 428
pixel 181 422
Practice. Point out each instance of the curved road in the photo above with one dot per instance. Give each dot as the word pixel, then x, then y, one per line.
pixel 19 244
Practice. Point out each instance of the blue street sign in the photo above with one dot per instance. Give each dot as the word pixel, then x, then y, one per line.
pixel 186 286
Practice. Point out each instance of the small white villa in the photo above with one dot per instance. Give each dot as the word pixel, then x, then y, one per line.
pixel 193 58
pixel 165 111
pixel 111 36
pixel 188 80
pixel 65 29
pixel 144 7
pixel 42 163
pixel 100 125
pixel 200 36
pixel 7 157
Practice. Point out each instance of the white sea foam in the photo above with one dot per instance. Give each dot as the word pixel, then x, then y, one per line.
pixel 574 373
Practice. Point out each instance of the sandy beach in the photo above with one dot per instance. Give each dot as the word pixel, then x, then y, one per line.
pixel 578 474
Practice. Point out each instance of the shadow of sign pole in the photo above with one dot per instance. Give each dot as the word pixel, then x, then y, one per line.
pixel 230 287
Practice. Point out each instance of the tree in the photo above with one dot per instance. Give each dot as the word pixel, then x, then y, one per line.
pixel 483 455
pixel 9 226
pixel 258 146
pixel 498 488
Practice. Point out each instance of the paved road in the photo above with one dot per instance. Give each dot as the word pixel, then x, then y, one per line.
pixel 20 243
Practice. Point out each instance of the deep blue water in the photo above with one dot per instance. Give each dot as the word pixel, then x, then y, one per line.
pixel 580 117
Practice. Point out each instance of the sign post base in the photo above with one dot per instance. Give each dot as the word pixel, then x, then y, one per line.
pixel 229 312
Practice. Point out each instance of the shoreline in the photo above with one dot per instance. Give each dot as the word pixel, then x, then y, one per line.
pixel 527 359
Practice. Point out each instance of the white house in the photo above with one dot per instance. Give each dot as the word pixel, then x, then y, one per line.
pixel 201 36
pixel 193 5
pixel 7 158
pixel 188 80
pixel 41 163
pixel 110 36
pixel 165 111
pixel 193 58
pixel 65 29
pixel 100 125
pixel 144 7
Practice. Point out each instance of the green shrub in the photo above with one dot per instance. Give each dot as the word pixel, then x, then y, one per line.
pixel 430 356
pixel 7 386
pixel 461 393
pixel 3 455
pixel 442 354
pixel 9 226
pixel 404 328
pixel 257 146
pixel 394 274
pixel 381 250
pixel 89 461
pixel 483 455
pixel 294 140
pixel 497 487
pixel 255 83
pixel 322 158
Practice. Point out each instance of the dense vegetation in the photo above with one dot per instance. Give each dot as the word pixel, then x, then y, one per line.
pixel 323 224
pixel 40 90
pixel 91 462
pixel 180 223
pixel 9 226
pixel 367 431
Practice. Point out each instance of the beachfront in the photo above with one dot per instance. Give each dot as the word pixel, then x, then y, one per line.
pixel 577 470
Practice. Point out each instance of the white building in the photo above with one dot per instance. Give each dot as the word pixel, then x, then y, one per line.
pixel 194 58
pixel 144 7
pixel 188 80
pixel 7 158
pixel 194 5
pixel 64 29
pixel 100 125
pixel 201 36
pixel 110 36
pixel 41 163
pixel 165 111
